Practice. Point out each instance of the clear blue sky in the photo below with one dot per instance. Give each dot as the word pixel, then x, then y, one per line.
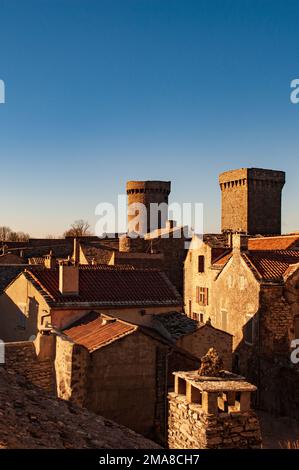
pixel 101 91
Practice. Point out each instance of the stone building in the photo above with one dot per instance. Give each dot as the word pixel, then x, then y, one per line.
pixel 251 200
pixel 161 244
pixel 195 337
pixel 37 297
pixel 252 294
pixel 247 284
pixel 121 371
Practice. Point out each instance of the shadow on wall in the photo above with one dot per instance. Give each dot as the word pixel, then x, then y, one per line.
pixel 265 361
pixel 18 322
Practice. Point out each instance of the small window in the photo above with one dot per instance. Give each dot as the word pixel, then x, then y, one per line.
pixel 202 295
pixel 249 329
pixel 190 308
pixel 198 316
pixel 201 264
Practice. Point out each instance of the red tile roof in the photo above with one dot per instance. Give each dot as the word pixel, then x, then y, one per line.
pixel 94 330
pixel 284 242
pixel 223 259
pixel 109 286
pixel 271 265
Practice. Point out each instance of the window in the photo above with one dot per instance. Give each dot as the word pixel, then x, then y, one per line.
pixel 296 327
pixel 190 308
pixel 201 264
pixel 198 316
pixel 202 295
pixel 224 320
pixel 249 329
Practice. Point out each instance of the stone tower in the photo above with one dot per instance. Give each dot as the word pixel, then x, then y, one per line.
pixel 251 200
pixel 147 193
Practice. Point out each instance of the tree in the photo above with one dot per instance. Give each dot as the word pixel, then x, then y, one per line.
pixel 79 228
pixel 7 235
pixel 4 233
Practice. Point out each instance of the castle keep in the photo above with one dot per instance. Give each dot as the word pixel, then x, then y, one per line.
pixel 147 193
pixel 251 201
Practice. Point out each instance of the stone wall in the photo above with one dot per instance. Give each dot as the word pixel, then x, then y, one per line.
pixel 71 365
pixel 122 382
pixel 206 337
pixel 22 358
pixel 251 200
pixel 189 427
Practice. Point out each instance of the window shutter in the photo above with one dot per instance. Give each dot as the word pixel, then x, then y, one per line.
pixel 206 296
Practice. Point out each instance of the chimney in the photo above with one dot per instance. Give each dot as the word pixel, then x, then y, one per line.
pixel 50 261
pixel 239 242
pixel 68 278
pixel 76 253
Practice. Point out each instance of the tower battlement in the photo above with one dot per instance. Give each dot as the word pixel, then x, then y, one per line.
pixel 147 193
pixel 251 200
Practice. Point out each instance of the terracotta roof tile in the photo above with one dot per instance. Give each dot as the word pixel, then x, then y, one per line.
pixel 284 242
pixel 223 259
pixel 109 286
pixel 94 331
pixel 271 265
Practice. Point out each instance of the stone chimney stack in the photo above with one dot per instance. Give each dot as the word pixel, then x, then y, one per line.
pixel 212 412
pixel 239 242
pixel 68 278
pixel 76 251
pixel 50 261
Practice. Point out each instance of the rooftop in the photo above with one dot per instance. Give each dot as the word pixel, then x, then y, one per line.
pixel 267 265
pixel 283 242
pixel 95 330
pixel 32 419
pixel 271 265
pixel 228 382
pixel 174 324
pixel 108 286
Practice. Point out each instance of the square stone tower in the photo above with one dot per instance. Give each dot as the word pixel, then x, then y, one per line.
pixel 251 201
